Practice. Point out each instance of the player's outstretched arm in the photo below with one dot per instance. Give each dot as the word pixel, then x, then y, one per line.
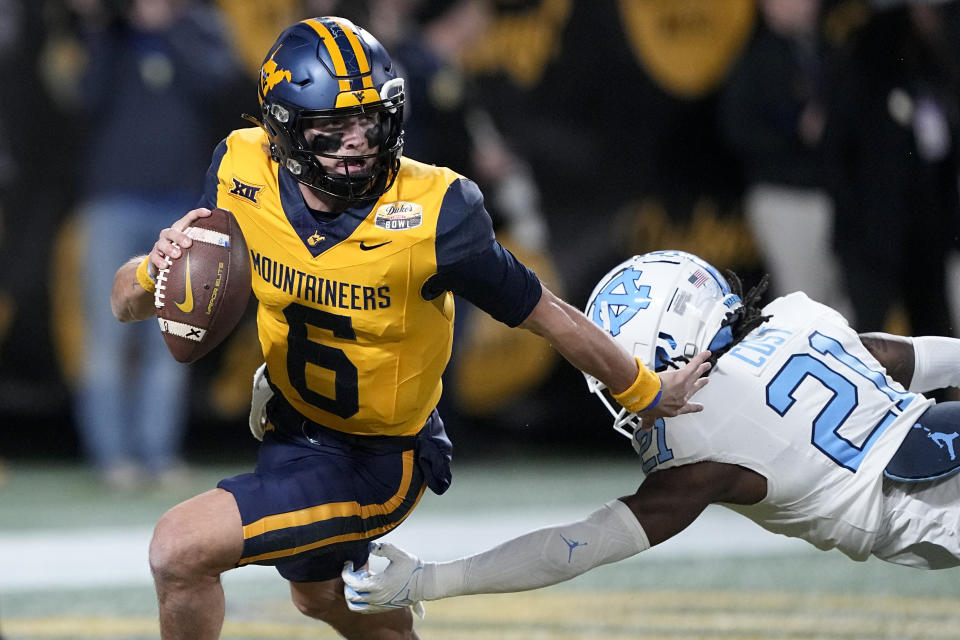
pixel 133 285
pixel 664 505
pixel 920 364
pixel 592 350
pixel 536 559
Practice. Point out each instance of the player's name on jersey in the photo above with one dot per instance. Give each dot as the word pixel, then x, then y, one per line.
pixel 311 288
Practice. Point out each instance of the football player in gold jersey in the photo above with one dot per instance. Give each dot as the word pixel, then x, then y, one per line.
pixel 356 254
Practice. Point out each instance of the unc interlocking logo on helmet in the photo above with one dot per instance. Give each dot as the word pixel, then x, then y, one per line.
pixel 619 300
pixel 325 69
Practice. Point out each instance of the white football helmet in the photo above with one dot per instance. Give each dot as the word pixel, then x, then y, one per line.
pixel 664 307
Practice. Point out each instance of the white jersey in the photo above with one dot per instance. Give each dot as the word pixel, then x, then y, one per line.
pixel 803 403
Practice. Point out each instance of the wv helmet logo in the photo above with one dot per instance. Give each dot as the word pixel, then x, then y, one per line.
pixel 620 300
pixel 271 75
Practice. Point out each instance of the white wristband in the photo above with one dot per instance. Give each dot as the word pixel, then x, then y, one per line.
pixel 540 558
pixel 936 363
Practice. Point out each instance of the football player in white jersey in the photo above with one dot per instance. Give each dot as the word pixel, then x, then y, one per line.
pixel 809 429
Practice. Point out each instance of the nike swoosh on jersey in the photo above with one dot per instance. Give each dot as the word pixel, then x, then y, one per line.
pixel 368 247
pixel 187 305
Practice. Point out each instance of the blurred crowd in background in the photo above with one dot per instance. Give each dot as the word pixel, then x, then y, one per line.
pixel 814 140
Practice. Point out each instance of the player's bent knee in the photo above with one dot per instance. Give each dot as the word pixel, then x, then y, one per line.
pixel 321 604
pixel 392 625
pixel 324 601
pixel 190 540
pixel 172 555
pixel 310 608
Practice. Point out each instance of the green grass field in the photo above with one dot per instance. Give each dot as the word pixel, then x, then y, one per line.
pixel 73 565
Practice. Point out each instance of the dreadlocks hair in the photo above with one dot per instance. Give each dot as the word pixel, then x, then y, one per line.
pixel 746 318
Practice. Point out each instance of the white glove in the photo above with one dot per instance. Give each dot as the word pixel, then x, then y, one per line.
pixel 258 403
pixel 397 587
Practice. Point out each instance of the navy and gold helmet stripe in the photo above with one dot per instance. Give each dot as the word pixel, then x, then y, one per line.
pixel 329 524
pixel 350 62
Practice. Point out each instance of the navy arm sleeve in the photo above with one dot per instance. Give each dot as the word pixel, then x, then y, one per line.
pixel 210 183
pixel 473 265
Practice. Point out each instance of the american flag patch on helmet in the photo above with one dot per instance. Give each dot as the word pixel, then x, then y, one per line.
pixel 698 278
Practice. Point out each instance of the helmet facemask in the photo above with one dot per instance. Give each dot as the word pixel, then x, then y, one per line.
pixel 288 127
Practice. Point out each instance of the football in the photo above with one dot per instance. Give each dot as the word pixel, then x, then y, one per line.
pixel 201 297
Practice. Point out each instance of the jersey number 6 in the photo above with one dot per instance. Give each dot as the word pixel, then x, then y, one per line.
pixel 302 351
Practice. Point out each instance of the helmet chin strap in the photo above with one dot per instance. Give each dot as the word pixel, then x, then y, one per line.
pixel 344 182
pixel 252 120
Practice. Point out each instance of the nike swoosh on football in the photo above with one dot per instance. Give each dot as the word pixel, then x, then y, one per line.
pixel 187 305
pixel 367 247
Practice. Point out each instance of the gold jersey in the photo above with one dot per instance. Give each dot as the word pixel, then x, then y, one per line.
pixel 348 338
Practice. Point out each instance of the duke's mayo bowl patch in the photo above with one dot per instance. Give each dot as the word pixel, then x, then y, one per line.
pixel 397 216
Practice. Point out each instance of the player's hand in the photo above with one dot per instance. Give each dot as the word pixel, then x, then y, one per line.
pixel 397 587
pixel 168 246
pixel 677 386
